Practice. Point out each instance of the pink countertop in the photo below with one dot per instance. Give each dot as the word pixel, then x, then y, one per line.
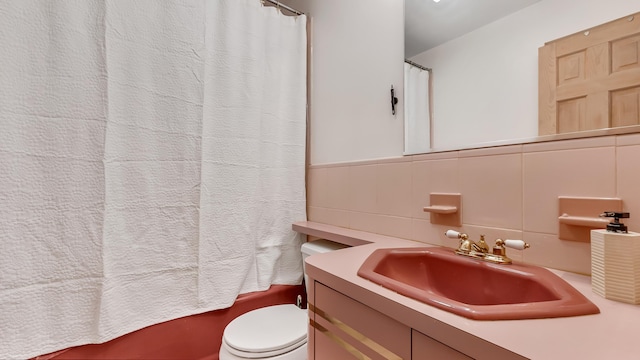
pixel 612 334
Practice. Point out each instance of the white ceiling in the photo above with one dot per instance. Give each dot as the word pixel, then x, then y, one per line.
pixel 429 24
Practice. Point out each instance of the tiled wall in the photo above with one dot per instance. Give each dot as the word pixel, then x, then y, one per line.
pixel 507 192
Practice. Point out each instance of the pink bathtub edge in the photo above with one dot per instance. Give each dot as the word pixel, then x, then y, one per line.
pixel 195 337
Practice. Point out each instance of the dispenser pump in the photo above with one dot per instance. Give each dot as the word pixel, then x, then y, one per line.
pixel 616 225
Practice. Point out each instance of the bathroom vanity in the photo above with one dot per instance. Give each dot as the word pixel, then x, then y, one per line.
pixel 353 317
pixel 342 327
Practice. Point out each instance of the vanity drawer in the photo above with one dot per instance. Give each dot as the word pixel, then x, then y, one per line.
pixel 343 325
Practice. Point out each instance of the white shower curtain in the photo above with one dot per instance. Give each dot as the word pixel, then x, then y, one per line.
pixel 417 123
pixel 152 161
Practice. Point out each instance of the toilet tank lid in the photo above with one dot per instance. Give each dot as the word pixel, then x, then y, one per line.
pixel 321 246
pixel 267 329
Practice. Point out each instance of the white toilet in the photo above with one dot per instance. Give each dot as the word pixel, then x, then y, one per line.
pixel 273 332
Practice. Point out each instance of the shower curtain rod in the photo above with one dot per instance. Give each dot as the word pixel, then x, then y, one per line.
pixel 417 65
pixel 278 4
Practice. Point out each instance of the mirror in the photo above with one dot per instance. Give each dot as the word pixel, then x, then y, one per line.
pixel 484 60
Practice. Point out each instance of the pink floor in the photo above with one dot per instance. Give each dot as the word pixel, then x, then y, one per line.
pixel 195 337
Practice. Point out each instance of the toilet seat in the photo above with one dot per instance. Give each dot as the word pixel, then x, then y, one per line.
pixel 266 332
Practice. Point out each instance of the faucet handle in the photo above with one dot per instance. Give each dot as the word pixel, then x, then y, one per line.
pixel 499 254
pixel 515 244
pixel 452 234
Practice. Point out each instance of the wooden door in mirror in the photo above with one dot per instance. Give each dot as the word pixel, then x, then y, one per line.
pixel 591 80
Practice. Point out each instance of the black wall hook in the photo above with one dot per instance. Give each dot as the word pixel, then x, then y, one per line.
pixel 394 101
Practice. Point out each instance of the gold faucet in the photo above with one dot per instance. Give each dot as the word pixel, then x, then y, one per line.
pixel 467 246
pixel 480 250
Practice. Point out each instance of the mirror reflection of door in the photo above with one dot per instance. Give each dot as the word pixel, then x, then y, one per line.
pixel 591 80
pixel 417 108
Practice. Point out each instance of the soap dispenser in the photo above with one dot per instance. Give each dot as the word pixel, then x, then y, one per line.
pixel 615 261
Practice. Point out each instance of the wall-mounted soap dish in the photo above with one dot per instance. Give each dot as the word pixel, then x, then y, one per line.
pixel 445 209
pixel 577 216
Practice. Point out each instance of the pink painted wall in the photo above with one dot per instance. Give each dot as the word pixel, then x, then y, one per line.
pixel 507 192
pixel 192 337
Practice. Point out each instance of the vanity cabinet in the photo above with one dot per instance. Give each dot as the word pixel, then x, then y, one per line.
pixel 344 329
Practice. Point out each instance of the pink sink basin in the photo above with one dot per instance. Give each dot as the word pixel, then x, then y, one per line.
pixel 474 288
